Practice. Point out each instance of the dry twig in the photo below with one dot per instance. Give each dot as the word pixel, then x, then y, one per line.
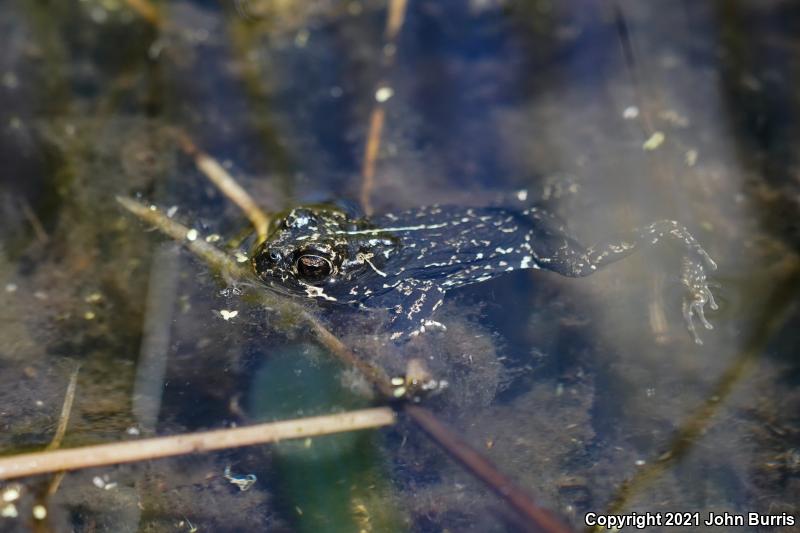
pixel 394 23
pixel 227 185
pixel 146 10
pixel 66 410
pixel 61 429
pixel 140 450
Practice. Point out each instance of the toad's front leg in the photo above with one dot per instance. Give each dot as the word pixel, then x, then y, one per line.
pixel 419 300
pixel 571 259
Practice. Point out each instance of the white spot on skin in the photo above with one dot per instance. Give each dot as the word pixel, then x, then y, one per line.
pixel 317 292
pixel 526 261
pixel 299 221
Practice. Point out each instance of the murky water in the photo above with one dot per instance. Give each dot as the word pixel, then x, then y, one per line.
pixel 588 392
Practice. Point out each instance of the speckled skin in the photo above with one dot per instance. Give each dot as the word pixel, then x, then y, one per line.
pixel 407 261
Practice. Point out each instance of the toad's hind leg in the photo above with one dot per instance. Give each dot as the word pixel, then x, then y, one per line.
pixel 573 260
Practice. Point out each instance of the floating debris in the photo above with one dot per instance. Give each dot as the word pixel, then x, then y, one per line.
pixel 192 235
pixel 227 315
pixel 655 140
pixel 94 298
pixel 383 94
pixel 11 494
pixel 630 112
pixel 674 118
pixel 243 482
pixel 691 158
pixel 301 39
pixel 39 512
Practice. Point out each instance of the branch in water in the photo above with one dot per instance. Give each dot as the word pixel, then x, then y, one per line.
pixel 140 450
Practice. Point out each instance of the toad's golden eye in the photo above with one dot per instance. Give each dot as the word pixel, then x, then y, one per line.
pixel 313 268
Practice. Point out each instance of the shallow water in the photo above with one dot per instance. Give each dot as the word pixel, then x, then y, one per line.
pixel 588 392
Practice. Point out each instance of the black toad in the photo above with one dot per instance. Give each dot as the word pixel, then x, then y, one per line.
pixel 407 261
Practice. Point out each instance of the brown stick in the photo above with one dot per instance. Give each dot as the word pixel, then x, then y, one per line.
pixel 376 120
pixel 484 470
pixel 227 185
pixel 61 430
pixel 177 231
pixel 139 450
pixel 36 224
pixel 395 17
pixel 66 410
pixel 146 10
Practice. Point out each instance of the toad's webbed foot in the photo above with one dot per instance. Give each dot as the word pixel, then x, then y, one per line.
pixel 693 272
pixel 573 260
pixel 693 277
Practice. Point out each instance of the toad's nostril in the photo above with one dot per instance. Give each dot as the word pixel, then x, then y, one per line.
pixel 274 255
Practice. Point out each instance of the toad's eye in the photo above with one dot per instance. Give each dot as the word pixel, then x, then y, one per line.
pixel 313 267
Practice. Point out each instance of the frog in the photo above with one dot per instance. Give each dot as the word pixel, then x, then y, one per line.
pixel 408 261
